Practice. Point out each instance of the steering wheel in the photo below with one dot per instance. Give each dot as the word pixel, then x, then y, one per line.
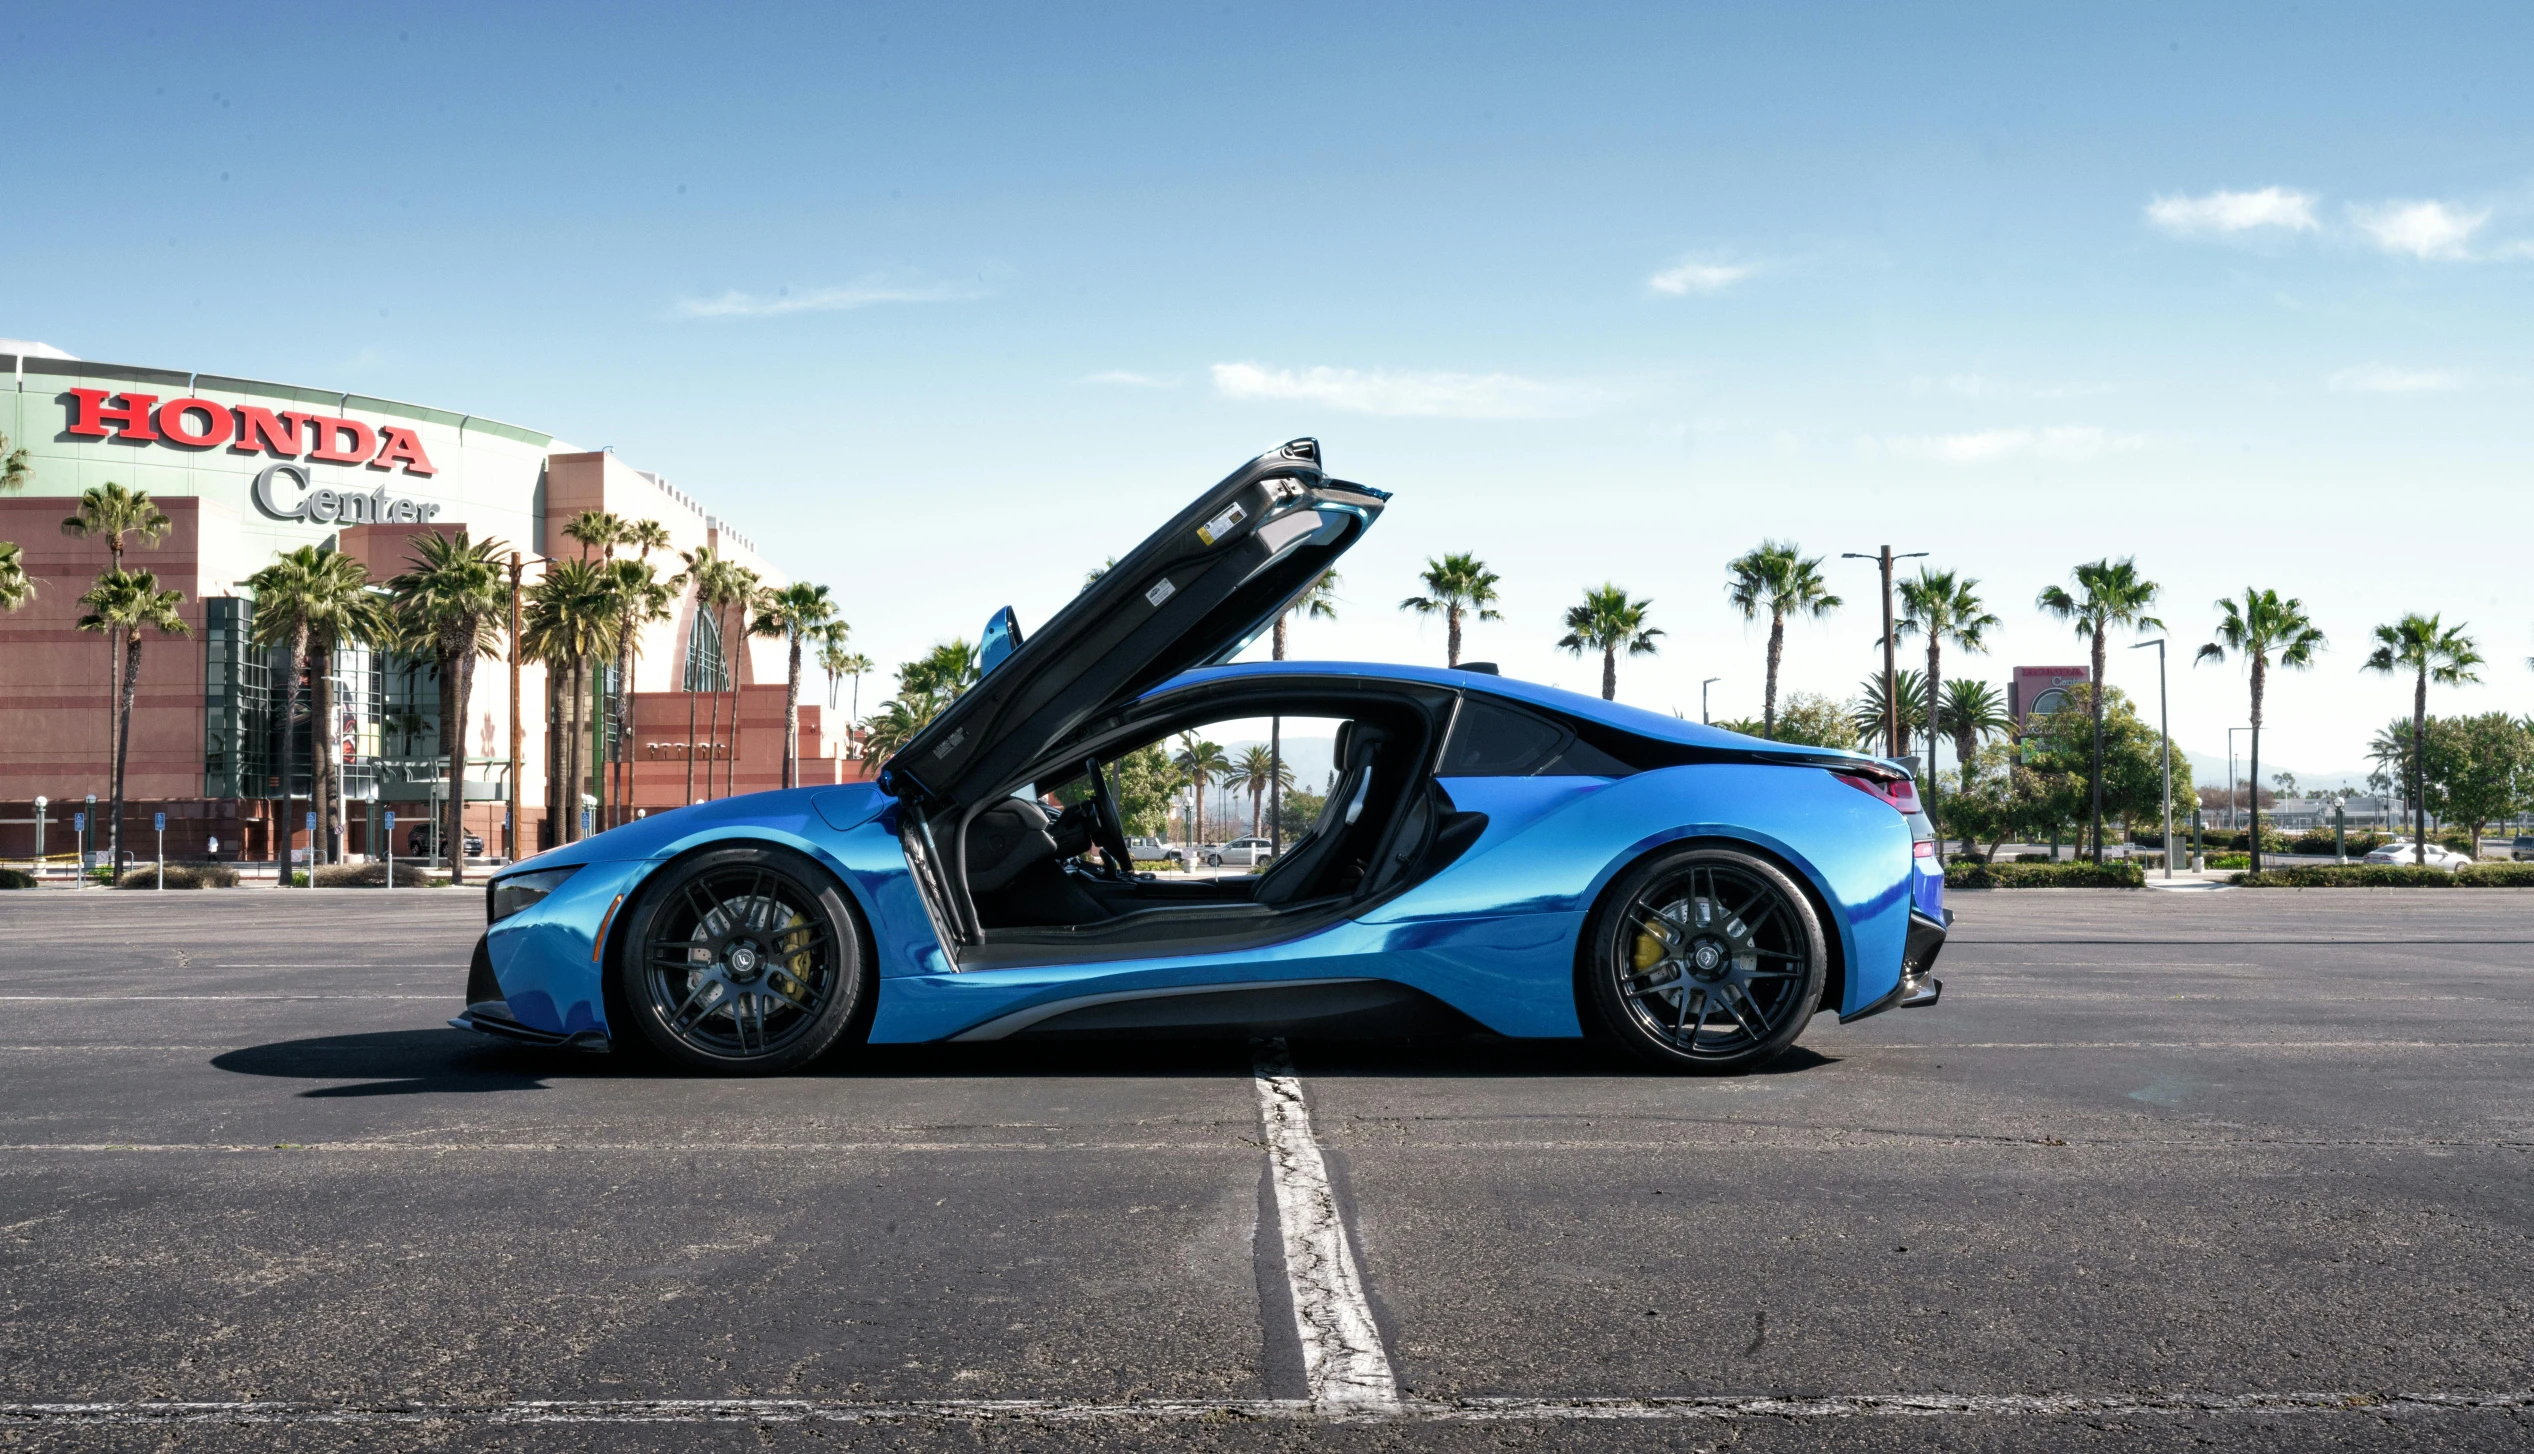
pixel 1108 829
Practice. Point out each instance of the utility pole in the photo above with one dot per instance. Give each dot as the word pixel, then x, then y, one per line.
pixel 518 730
pixel 1703 718
pixel 2164 733
pixel 1891 675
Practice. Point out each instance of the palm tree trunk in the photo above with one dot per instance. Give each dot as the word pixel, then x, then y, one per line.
pixel 690 743
pixel 321 757
pixel 1935 710
pixel 459 673
pixel 290 703
pixel 123 739
pixel 114 738
pixel 2258 664
pixel 1768 697
pixel 2098 743
pixel 792 716
pixel 2419 769
pixel 1610 673
pixel 712 745
pixel 1452 626
pixel 575 743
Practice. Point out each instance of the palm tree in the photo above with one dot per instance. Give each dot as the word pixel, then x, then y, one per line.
pixel 1317 602
pixel 925 686
pixel 1868 713
pixel 2432 652
pixel 2261 625
pixel 1455 586
pixel 16 586
pixel 126 603
pixel 1257 770
pixel 2110 594
pixel 695 567
pixel 797 612
pixel 598 530
pixel 452 603
pixel 111 511
pixel 1201 762
pixel 1608 622
pixel 1972 712
pixel 719 586
pixel 569 621
pixel 1777 577
pixel 13 471
pixel 317 601
pixel 1944 607
pixel 857 666
pixel 638 597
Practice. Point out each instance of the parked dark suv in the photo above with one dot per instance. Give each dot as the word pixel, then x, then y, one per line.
pixel 418 843
pixel 2522 849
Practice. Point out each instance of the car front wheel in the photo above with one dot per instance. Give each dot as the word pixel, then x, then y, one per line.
pixel 742 960
pixel 1706 960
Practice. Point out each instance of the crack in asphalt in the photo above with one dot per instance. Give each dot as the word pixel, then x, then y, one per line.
pixel 1344 1364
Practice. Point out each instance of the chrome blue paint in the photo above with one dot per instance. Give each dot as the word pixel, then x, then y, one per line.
pixel 1493 934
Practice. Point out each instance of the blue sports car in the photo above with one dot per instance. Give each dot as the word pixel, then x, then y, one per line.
pixel 1483 853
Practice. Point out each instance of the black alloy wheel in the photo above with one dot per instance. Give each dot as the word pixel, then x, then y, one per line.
pixel 1707 960
pixel 743 960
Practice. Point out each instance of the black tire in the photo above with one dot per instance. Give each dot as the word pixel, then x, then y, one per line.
pixel 776 935
pixel 1214 860
pixel 1704 960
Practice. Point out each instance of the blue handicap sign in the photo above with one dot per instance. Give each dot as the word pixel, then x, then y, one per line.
pixel 312 822
pixel 79 822
pixel 162 822
pixel 391 820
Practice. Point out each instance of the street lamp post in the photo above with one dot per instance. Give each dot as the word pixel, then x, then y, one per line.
pixel 1703 719
pixel 2234 789
pixel 2164 732
pixel 1891 697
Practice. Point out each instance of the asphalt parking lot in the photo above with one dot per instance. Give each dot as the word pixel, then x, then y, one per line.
pixel 2162 1171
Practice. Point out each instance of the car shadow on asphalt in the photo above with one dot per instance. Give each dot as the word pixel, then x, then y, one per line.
pixel 446 1062
pixel 410 1062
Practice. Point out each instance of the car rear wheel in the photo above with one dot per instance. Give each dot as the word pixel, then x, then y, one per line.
pixel 1705 960
pixel 743 960
pixel 1214 860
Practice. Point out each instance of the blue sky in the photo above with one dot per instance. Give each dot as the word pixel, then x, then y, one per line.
pixel 945 306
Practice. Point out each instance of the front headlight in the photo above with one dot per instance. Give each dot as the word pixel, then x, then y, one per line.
pixel 511 893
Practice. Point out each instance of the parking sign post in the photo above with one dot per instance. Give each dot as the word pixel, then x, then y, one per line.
pixel 162 852
pixel 312 850
pixel 391 848
pixel 79 826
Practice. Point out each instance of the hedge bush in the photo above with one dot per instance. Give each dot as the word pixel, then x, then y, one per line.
pixel 11 878
pixel 373 876
pixel 2390 876
pixel 181 876
pixel 2119 874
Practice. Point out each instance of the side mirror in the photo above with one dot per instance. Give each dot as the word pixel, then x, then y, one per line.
pixel 1002 637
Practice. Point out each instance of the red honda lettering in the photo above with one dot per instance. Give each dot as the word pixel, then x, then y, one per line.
pixel 172 419
pixel 331 432
pixel 90 414
pixel 396 443
pixel 260 429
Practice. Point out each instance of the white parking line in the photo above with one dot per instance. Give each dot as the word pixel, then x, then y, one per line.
pixel 2372 1404
pixel 1343 1363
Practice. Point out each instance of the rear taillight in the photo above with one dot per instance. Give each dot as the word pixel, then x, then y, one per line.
pixel 1901 793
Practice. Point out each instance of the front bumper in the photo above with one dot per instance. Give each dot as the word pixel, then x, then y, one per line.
pixel 493 1017
pixel 1918 989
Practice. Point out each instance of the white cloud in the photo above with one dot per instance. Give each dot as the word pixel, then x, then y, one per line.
pixel 1980 386
pixel 1987 446
pixel 2232 212
pixel 863 294
pixel 2422 229
pixel 1408 394
pixel 1697 277
pixel 2384 379
pixel 1127 377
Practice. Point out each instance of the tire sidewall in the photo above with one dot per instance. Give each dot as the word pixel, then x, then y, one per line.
pixel 1607 1012
pixel 843 1009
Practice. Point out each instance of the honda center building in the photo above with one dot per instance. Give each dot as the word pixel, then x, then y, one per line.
pixel 246 470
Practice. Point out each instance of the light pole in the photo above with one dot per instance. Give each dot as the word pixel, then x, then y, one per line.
pixel 1703 719
pixel 2164 731
pixel 2234 789
pixel 1891 698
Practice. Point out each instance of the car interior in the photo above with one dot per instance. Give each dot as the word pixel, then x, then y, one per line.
pixel 1051 863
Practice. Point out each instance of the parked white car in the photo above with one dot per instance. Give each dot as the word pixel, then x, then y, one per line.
pixel 1246 852
pixel 2439 856
pixel 1154 850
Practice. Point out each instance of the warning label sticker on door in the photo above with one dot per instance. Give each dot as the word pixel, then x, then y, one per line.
pixel 1161 592
pixel 1221 525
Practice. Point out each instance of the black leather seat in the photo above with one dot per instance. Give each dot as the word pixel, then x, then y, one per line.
pixel 1311 866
